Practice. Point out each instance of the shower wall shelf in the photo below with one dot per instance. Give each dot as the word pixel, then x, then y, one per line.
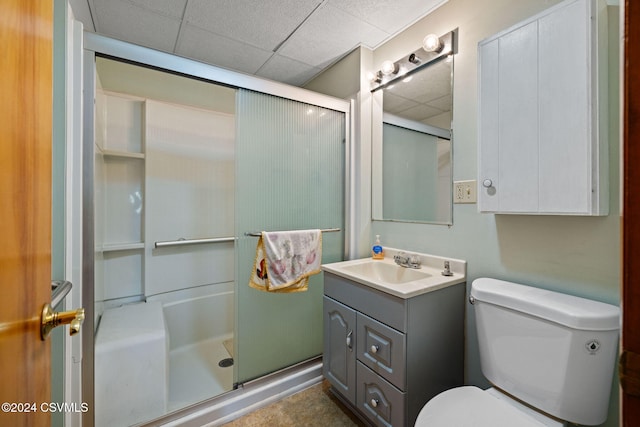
pixel 120 189
pixel 126 154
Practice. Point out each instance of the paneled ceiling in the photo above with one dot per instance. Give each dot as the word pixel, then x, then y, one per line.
pixel 290 41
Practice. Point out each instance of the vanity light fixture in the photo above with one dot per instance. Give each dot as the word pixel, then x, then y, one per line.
pixel 432 43
pixel 375 78
pixel 433 49
pixel 389 67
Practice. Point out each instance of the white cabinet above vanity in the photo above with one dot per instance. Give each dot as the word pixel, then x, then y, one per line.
pixel 543 114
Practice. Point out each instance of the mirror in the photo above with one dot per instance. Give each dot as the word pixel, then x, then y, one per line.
pixel 412 146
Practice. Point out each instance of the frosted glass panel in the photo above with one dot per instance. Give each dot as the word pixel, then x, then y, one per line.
pixel 190 190
pixel 290 175
pixel 416 175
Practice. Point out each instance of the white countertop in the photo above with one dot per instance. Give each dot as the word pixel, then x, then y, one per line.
pixel 428 277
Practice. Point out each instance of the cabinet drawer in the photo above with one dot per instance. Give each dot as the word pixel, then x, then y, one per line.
pixel 380 401
pixel 382 349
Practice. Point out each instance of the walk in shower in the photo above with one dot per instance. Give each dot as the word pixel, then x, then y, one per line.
pixel 187 163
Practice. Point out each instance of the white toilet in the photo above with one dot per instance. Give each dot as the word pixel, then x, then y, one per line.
pixel 550 357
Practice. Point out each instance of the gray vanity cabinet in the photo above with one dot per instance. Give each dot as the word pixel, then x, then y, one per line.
pixel 386 356
pixel 339 347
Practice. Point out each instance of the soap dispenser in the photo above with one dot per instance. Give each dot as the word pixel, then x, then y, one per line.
pixel 376 251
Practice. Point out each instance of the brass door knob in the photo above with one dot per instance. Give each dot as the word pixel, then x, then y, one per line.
pixel 50 319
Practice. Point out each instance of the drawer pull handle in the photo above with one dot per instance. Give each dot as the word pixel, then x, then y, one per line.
pixel 374 349
pixel 374 403
pixel 349 345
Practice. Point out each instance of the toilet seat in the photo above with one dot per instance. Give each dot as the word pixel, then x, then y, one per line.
pixel 472 407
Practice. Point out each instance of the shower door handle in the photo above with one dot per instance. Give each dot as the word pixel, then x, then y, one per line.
pixel 349 344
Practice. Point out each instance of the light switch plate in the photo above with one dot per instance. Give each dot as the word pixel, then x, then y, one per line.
pixel 465 191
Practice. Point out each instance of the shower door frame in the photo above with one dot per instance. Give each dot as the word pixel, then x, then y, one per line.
pixel 98 45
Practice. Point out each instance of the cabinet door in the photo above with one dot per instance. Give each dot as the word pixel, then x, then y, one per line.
pixel 339 358
pixel 509 108
pixel 538 149
pixel 565 109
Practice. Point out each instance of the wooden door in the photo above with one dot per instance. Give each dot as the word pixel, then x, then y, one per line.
pixel 26 33
pixel 630 371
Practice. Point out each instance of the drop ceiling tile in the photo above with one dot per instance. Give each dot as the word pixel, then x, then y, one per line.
pixel 388 15
pixel 286 70
pixel 445 103
pixel 328 35
pixel 395 104
pixel 420 112
pixel 125 21
pixel 442 120
pixel 204 46
pixel 427 84
pixel 82 12
pixel 171 8
pixel 264 24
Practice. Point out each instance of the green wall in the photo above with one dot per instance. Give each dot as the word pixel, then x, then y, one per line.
pixel 574 255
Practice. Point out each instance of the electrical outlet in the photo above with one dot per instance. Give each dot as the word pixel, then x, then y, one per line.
pixel 465 191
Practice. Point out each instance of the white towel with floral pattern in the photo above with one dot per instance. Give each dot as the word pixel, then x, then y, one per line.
pixel 285 260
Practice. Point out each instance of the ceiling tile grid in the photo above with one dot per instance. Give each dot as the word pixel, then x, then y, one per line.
pixel 170 8
pixel 211 48
pixel 290 41
pixel 262 24
pixel 283 69
pixel 126 21
pixel 390 16
pixel 328 35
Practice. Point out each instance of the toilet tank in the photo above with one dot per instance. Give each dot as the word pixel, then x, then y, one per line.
pixel 554 351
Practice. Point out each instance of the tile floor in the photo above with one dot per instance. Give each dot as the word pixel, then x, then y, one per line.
pixel 313 407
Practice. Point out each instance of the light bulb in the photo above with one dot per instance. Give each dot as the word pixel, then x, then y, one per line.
pixel 374 78
pixel 431 43
pixel 388 67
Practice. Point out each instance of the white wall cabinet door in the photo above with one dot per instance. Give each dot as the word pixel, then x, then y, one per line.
pixel 542 140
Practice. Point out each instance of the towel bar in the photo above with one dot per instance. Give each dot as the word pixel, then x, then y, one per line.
pixel 258 233
pixel 182 242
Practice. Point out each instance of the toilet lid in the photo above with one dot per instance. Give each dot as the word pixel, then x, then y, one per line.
pixel 471 407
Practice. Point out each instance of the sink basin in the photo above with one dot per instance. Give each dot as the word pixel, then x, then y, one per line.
pixel 388 277
pixel 385 272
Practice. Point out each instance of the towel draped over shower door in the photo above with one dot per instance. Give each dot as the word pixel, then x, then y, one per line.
pixel 285 260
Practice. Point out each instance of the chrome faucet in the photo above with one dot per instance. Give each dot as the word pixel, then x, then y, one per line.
pixel 447 269
pixel 407 261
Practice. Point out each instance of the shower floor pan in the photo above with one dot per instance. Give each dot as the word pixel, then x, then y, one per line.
pixel 194 373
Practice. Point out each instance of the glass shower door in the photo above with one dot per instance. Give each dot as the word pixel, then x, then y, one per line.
pixel 290 172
